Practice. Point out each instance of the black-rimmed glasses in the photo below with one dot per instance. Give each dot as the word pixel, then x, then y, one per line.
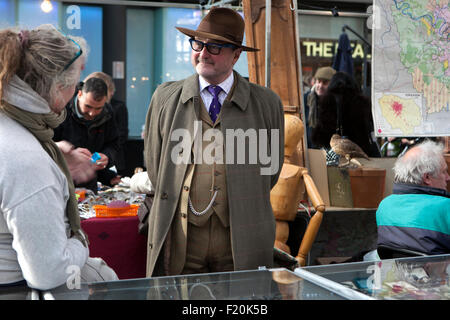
pixel 79 53
pixel 213 48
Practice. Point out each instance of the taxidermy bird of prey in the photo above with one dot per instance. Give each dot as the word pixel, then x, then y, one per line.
pixel 347 149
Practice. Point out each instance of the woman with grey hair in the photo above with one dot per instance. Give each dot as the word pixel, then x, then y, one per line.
pixel 417 215
pixel 41 240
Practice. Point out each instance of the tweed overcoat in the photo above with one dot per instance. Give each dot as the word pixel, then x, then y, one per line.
pixel 174 109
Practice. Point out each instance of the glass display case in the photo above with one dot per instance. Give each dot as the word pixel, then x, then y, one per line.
pixel 418 278
pixel 265 284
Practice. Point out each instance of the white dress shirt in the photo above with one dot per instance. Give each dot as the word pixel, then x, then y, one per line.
pixel 207 97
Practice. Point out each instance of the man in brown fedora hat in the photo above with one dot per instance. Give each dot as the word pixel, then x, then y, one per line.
pixel 211 211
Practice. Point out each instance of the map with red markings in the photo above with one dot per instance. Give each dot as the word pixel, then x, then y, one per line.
pixel 411 72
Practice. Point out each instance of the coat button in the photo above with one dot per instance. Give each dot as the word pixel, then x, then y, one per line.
pixel 150 245
pixel 164 196
pixel 186 188
pixel 184 215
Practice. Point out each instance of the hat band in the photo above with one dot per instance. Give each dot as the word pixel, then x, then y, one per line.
pixel 220 31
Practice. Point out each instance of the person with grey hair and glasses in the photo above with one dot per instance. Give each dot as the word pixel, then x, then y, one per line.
pixel 41 240
pixel 417 215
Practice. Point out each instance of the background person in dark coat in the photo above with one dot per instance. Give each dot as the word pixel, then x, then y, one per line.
pixel 90 125
pixel 311 98
pixel 356 121
pixel 120 113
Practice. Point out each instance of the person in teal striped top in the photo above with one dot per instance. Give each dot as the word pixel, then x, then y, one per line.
pixel 417 215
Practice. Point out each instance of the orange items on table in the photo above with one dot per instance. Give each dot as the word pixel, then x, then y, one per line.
pixel 102 211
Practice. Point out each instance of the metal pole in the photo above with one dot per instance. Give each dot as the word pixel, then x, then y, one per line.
pixel 357 34
pixel 267 56
pixel 130 3
pixel 300 81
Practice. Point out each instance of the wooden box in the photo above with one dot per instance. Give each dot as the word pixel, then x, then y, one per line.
pixel 356 188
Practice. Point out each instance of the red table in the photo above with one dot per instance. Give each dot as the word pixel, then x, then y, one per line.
pixel 118 242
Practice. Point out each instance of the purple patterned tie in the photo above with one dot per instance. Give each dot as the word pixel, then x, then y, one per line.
pixel 214 107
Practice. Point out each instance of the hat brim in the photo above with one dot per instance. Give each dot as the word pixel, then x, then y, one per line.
pixel 207 35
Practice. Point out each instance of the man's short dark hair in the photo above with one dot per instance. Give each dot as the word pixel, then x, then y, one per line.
pixel 97 86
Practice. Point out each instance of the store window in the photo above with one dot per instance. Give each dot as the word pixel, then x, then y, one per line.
pixel 86 22
pixel 30 15
pixel 319 36
pixel 140 66
pixel 175 54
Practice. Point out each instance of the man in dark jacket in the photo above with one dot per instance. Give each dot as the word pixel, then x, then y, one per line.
pixel 120 113
pixel 417 215
pixel 311 98
pixel 90 125
pixel 345 110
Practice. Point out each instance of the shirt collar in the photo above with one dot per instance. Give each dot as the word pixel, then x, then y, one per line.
pixel 241 94
pixel 403 188
pixel 225 85
pixel 76 108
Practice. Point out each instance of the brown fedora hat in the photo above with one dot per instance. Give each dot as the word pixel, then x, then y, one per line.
pixel 222 24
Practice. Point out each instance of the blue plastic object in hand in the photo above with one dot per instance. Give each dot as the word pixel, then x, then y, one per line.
pixel 95 157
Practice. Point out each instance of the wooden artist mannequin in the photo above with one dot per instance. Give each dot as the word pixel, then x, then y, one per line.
pixel 288 192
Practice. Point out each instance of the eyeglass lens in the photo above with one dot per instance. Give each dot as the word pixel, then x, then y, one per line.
pixel 212 48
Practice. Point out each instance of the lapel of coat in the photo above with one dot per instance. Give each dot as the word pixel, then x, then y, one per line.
pixel 191 100
pixel 189 110
pixel 235 110
pixel 241 95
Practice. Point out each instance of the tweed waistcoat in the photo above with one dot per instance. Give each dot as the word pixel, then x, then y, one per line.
pixel 208 178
